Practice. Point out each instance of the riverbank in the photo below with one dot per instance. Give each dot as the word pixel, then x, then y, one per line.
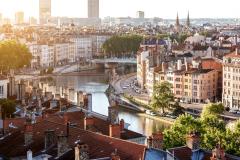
pixel 162 119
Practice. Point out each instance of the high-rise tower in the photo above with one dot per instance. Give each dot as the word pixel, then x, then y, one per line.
pixel 93 8
pixel 44 11
pixel 188 20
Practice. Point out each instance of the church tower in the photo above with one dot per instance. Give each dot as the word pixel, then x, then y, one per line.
pixel 188 20
pixel 177 24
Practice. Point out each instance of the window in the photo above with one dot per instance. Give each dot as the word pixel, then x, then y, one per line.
pixel 186 86
pixel 1 90
pixel 178 86
pixel 195 88
pixel 195 93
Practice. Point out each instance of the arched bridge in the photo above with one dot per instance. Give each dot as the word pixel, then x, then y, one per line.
pixel 115 60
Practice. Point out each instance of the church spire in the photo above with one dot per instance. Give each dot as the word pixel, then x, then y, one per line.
pixel 188 20
pixel 177 21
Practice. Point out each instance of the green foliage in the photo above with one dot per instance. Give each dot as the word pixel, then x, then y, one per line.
pixel 13 55
pixel 177 109
pixel 176 135
pixel 8 107
pixel 212 109
pixel 162 96
pixel 232 140
pixel 121 45
pixel 211 127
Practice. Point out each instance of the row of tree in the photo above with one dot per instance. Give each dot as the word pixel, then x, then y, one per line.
pixel 122 45
pixel 13 55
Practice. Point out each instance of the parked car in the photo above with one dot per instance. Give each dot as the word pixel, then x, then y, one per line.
pixel 234 111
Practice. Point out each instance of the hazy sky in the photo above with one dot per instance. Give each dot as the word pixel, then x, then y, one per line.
pixel 116 8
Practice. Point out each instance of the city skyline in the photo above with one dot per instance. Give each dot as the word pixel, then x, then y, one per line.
pixel 152 8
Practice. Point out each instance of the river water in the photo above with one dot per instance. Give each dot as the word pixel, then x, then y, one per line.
pixel 96 85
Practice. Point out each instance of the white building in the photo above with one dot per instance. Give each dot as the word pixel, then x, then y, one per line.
pixel 3 87
pixel 46 55
pixel 61 51
pixel 84 47
pixel 231 80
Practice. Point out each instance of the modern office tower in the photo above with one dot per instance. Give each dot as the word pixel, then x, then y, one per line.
pixel 44 11
pixel 140 14
pixel 19 17
pixel 32 21
pixel 93 8
pixel 1 19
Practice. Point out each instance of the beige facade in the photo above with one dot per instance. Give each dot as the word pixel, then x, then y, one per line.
pixel 231 80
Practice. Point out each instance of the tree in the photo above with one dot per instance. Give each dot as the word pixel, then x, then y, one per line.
pixel 13 55
pixel 8 107
pixel 162 96
pixel 176 135
pixel 122 45
pixel 212 109
pixel 177 109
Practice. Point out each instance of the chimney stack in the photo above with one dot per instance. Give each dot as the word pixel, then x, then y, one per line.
pixel 179 65
pixel 81 151
pixel 88 122
pixel 186 64
pixel 236 51
pixel 28 135
pixel 115 156
pixel 29 155
pixel 113 115
pixel 122 124
pixel 49 138
pixel 218 153
pixel 155 141
pixel 62 144
pixel 114 130
pixel 193 141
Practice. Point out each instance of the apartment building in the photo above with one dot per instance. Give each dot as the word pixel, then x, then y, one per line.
pixel 83 47
pixel 46 55
pixel 231 80
pixel 3 87
pixel 61 52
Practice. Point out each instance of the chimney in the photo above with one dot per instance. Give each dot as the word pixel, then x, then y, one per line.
pixel 113 115
pixel 155 141
pixel 81 151
pixel 29 155
pixel 68 127
pixel 49 138
pixel 65 118
pixel 236 40
pixel 62 144
pixel 218 153
pixel 114 130
pixel 193 141
pixel 88 122
pixel 179 65
pixel 122 123
pixel 236 51
pixel 28 134
pixel 185 63
pixel 164 66
pixel 115 156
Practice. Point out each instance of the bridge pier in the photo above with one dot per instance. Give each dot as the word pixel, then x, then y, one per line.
pixel 99 66
pixel 111 65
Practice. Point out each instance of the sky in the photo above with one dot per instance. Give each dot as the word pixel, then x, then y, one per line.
pixel 122 8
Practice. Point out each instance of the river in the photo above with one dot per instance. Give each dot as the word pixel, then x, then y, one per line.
pixel 96 85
